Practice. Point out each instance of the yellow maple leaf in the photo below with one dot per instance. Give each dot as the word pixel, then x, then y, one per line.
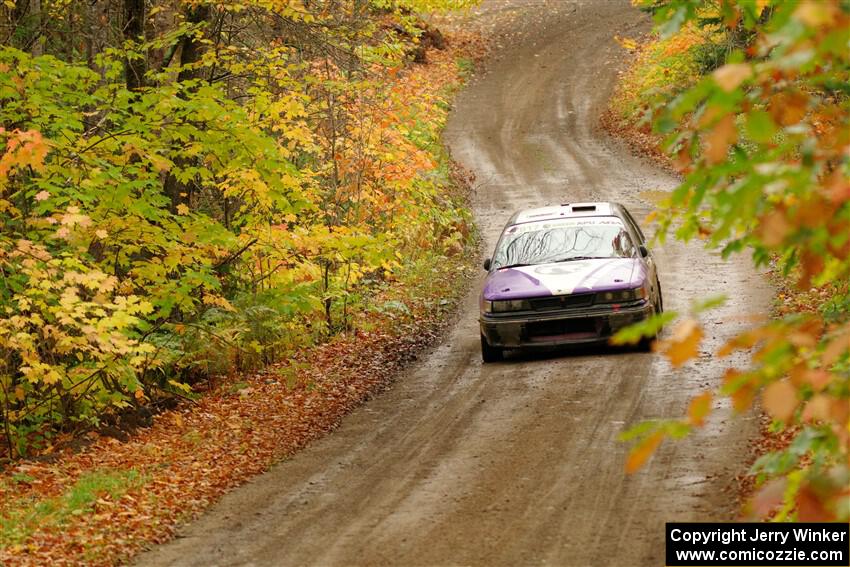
pixel 51 377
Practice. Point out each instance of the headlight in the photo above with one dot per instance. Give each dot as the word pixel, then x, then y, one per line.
pixel 486 306
pixel 622 296
pixel 510 305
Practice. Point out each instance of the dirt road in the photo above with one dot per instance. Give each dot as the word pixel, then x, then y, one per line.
pixel 515 463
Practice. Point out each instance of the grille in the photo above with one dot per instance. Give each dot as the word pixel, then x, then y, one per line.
pixel 578 328
pixel 562 302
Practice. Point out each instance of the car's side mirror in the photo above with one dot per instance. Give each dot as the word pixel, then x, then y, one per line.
pixel 487 264
pixel 644 251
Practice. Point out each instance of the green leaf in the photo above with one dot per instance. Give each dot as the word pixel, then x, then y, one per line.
pixel 649 327
pixel 700 305
pixel 760 127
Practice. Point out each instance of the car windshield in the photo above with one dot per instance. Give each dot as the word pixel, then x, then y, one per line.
pixel 562 241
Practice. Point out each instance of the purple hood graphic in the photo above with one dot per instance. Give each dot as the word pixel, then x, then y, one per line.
pixel 578 276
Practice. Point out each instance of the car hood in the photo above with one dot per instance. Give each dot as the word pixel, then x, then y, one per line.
pixel 562 278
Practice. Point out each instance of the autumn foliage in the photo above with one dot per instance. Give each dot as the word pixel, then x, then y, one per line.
pixel 760 130
pixel 194 188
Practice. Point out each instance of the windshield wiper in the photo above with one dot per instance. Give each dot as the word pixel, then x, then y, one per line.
pixel 571 258
pixel 519 265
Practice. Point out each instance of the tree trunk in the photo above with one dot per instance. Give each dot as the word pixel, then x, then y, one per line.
pixel 190 52
pixel 134 30
pixel 37 44
pixel 191 49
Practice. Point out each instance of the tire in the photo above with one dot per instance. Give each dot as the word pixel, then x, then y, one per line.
pixel 645 344
pixel 660 306
pixel 490 353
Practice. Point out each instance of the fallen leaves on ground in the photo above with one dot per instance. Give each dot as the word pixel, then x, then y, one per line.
pixel 194 454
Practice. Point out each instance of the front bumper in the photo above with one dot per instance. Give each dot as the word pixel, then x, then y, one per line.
pixel 570 326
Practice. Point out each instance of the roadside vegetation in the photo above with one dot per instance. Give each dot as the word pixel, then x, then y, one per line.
pixel 106 500
pixel 749 102
pixel 195 189
pixel 227 223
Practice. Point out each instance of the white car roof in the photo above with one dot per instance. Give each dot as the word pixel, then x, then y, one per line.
pixel 568 210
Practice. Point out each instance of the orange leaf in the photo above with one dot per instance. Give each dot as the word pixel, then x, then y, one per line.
pixel 731 75
pixel 699 407
pixel 812 212
pixel 836 348
pixel 683 158
pixel 742 398
pixel 802 340
pixel 797 374
pixel 719 138
pixel 642 451
pixel 840 413
pixel 780 400
pixel 810 508
pixel 788 108
pixel 774 227
pixel 768 497
pixel 746 340
pixel 819 379
pixel 815 14
pixel 743 394
pixel 684 344
pixel 819 408
pixel 839 187
pixel 812 265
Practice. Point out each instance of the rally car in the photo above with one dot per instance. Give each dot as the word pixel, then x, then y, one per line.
pixel 567 274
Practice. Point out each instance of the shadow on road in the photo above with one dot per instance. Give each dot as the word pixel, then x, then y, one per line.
pixel 568 351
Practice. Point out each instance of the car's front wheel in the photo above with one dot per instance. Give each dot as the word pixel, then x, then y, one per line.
pixel 660 305
pixel 490 353
pixel 645 343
